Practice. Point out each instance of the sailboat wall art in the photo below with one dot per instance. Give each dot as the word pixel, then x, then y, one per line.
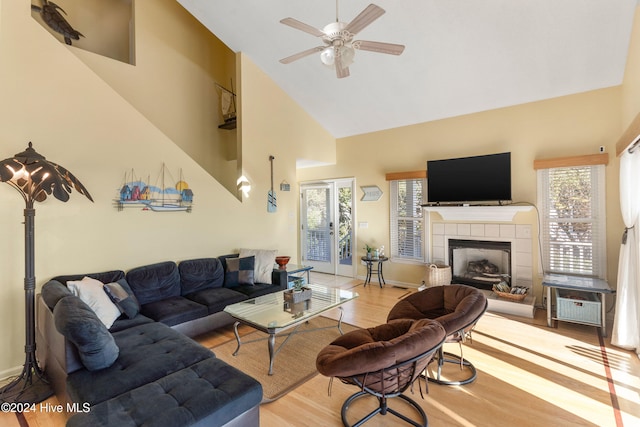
pixel 166 194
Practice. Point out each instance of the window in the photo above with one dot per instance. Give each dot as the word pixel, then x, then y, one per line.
pixel 407 230
pixel 571 201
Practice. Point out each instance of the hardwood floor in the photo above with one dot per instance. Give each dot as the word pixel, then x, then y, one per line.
pixel 528 375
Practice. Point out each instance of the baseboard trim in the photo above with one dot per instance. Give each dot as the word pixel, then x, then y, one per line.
pixel 391 282
pixel 7 374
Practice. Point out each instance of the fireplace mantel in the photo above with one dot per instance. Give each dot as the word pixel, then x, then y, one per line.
pixel 478 213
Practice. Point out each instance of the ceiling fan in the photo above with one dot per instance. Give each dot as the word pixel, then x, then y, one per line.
pixel 339 49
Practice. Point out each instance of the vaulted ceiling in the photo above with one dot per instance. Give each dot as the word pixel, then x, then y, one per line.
pixel 461 56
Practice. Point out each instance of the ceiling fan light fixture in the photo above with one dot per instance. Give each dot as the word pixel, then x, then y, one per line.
pixel 348 53
pixel 328 57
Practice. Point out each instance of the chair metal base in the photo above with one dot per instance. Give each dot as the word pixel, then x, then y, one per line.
pixel 383 409
pixel 444 357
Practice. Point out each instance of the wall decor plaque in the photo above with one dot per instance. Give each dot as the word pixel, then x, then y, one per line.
pixel 372 193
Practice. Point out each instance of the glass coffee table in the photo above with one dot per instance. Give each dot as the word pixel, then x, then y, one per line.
pixel 272 314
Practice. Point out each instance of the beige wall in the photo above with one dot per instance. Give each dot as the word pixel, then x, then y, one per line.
pixel 571 125
pixel 74 118
pixel 173 83
pixel 631 84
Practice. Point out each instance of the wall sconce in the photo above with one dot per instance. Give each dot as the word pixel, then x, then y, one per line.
pixel 244 185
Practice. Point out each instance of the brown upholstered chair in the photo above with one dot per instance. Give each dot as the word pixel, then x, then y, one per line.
pixel 383 362
pixel 458 308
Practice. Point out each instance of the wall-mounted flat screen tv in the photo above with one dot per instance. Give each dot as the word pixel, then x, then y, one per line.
pixel 470 179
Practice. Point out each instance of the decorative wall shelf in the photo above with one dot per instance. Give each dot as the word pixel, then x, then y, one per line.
pixel 478 213
pixel 228 125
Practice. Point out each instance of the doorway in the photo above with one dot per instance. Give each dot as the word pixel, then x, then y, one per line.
pixel 327 232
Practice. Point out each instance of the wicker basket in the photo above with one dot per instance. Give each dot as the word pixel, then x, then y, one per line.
pixel 437 275
pixel 507 295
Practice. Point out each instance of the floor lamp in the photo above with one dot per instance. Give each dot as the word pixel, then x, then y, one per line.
pixel 35 178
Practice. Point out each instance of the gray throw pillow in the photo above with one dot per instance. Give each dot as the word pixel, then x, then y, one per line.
pixel 123 297
pixel 239 271
pixel 79 324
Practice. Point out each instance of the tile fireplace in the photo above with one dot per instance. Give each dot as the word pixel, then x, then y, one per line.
pixel 505 245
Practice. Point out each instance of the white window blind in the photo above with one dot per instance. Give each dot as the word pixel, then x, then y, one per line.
pixel 407 230
pixel 571 201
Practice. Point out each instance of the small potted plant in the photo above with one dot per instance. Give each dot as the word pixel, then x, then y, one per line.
pixel 298 284
pixel 368 249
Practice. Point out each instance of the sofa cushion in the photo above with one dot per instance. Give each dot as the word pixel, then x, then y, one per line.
pixel 104 276
pixel 265 260
pixel 239 271
pixel 91 291
pixel 217 299
pixel 79 324
pixel 154 282
pixel 208 389
pixel 148 352
pixel 53 291
pixel 257 290
pixel 123 297
pixel 124 322
pixel 199 274
pixel 174 310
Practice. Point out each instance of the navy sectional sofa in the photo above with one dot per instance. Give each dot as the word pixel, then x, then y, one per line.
pixel 157 376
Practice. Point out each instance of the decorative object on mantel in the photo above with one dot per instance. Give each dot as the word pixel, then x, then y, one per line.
pixel 158 198
pixel 271 197
pixel 55 21
pixel 515 293
pixel 228 107
pixel 372 193
pixel 34 178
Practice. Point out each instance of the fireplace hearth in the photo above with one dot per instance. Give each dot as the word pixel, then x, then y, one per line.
pixel 480 263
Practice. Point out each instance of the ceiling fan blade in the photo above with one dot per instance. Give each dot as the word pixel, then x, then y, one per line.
pixel 295 57
pixel 379 47
pixel 302 26
pixel 366 17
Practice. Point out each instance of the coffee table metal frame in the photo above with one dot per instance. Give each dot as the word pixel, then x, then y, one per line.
pixel 267 314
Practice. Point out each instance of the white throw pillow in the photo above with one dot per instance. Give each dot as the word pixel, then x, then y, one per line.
pixel 264 262
pixel 92 293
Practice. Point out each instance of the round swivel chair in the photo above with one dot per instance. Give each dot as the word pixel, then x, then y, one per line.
pixel 383 362
pixel 458 308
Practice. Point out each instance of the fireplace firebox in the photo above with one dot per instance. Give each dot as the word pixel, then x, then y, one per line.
pixel 480 263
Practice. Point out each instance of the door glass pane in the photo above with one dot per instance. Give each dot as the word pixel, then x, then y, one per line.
pixel 345 233
pixel 318 221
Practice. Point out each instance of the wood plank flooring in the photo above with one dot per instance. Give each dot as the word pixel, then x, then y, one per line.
pixel 528 375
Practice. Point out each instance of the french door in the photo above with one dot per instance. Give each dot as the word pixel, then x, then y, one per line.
pixel 327 233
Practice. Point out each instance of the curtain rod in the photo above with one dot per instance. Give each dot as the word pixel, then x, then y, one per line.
pixel 633 145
